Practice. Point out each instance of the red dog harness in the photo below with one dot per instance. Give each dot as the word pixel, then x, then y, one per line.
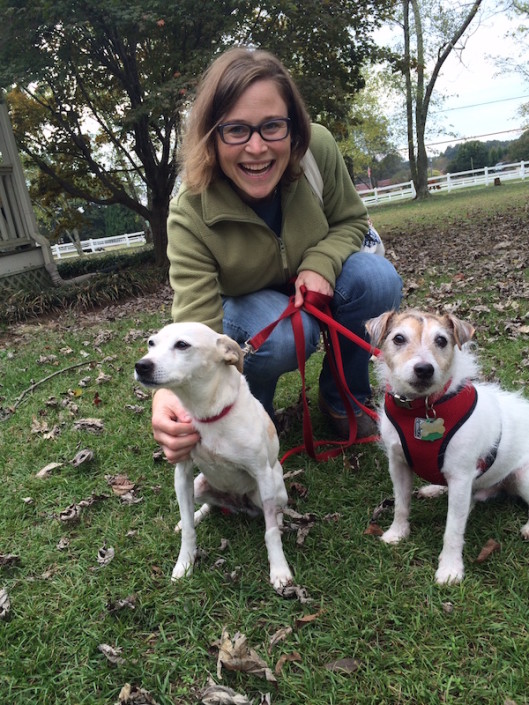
pixel 426 428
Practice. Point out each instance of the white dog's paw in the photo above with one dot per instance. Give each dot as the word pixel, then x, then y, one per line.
pixel 431 491
pixel 449 574
pixel 281 578
pixel 395 534
pixel 525 531
pixel 181 570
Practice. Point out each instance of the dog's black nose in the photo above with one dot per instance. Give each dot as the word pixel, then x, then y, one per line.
pixel 423 370
pixel 144 368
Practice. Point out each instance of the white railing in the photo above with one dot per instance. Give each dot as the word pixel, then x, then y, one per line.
pixel 448 182
pixel 99 244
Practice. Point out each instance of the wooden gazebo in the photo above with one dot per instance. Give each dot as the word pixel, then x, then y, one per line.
pixel 26 261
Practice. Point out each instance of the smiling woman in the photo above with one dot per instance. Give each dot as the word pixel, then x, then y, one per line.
pixel 246 231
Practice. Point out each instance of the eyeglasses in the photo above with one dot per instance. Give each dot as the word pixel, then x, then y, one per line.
pixel 240 132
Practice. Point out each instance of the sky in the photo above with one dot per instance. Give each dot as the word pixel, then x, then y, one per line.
pixel 482 101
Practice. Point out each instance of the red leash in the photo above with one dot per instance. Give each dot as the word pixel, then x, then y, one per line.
pixel 317 305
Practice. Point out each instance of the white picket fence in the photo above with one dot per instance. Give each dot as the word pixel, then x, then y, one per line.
pixel 448 182
pixel 373 197
pixel 99 244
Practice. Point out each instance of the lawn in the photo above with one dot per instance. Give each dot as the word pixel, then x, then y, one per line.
pixel 87 548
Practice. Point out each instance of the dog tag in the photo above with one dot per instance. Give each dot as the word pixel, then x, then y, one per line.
pixel 429 429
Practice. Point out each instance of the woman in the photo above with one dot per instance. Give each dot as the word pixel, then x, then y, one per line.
pixel 246 222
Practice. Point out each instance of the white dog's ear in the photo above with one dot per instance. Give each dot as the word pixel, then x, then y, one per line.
pixel 230 351
pixel 379 326
pixel 463 331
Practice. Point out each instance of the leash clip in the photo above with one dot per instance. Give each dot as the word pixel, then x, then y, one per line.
pixel 248 348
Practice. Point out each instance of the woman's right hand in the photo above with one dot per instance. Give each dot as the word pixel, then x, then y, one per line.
pixel 172 427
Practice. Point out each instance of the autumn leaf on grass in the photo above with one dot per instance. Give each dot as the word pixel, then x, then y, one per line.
pixel 9 559
pixel 373 530
pixel 294 657
pixel 73 511
pixel 102 378
pixel 343 665
pixel 308 618
pixel 83 456
pixel 125 602
pixel 279 636
pixel 236 655
pixel 124 488
pixel 111 654
pixel 5 605
pixel 134 695
pixel 48 469
pixel 294 591
pixel 490 547
pixel 105 555
pixel 215 694
pixel 91 425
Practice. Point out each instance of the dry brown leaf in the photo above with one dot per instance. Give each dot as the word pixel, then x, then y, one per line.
pixel 112 654
pixel 236 655
pixel 286 658
pixel 120 484
pixel 48 469
pixel 91 425
pixel 83 456
pixel 343 665
pixel 126 602
pixel 490 547
pixel 63 544
pixel 73 511
pixel 102 378
pixel 133 695
pixel 294 591
pixel 9 559
pixel 308 618
pixel 279 636
pixel 5 605
pixel 215 694
pixel 373 530
pixel 105 555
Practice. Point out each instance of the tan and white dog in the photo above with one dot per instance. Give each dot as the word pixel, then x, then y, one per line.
pixel 439 422
pixel 238 449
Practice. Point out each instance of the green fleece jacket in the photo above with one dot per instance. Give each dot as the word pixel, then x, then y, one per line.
pixel 219 246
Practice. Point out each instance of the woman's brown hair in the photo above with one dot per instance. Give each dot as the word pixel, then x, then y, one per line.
pixel 220 88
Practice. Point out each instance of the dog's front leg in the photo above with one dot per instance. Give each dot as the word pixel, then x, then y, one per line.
pixel 402 478
pixel 280 574
pixel 183 483
pixel 451 569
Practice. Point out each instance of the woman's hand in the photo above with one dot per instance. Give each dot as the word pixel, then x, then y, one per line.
pixel 172 427
pixel 312 281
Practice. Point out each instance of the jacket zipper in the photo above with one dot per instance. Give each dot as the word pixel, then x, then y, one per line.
pixel 284 260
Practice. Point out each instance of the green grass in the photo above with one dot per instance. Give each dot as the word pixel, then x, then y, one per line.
pixel 414 642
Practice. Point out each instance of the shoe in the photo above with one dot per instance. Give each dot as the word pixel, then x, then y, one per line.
pixel 365 425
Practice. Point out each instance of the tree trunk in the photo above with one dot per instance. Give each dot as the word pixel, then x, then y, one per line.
pixel 158 226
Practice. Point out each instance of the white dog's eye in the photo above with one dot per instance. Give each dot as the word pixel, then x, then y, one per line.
pixel 441 341
pixel 150 343
pixel 181 345
pixel 399 339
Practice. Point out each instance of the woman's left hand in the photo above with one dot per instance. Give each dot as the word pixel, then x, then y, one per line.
pixel 312 281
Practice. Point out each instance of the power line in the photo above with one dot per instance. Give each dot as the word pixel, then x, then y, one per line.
pixel 478 105
pixel 475 137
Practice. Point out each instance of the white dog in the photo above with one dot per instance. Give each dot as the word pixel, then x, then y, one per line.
pixel 238 448
pixel 449 429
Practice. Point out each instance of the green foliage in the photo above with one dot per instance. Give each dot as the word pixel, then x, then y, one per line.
pixel 470 155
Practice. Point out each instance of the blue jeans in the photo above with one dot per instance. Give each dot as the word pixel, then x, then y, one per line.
pixel 367 286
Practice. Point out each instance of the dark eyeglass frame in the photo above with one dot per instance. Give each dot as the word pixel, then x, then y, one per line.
pixel 255 128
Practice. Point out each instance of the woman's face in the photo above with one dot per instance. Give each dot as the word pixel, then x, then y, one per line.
pixel 256 167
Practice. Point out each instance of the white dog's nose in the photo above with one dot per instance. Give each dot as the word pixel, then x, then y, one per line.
pixel 423 370
pixel 144 369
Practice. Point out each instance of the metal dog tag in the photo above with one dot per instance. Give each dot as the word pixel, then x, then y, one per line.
pixel 429 429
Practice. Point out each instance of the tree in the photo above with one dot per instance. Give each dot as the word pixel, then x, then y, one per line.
pixel 102 88
pixel 446 28
pixel 470 155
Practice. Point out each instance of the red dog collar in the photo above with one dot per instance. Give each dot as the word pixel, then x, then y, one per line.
pixel 223 413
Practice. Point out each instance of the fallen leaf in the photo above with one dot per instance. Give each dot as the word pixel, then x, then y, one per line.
pixel 83 456
pixel 111 654
pixel 343 665
pixel 105 555
pixel 91 425
pixel 308 618
pixel 73 511
pixel 279 636
pixel 120 484
pixel 215 694
pixel 126 602
pixel 133 695
pixel 490 547
pixel 9 559
pixel 5 604
pixel 102 378
pixel 294 591
pixel 286 658
pixel 48 469
pixel 373 530
pixel 236 655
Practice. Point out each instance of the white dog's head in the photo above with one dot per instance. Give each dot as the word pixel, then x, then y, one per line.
pixel 183 352
pixel 419 350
